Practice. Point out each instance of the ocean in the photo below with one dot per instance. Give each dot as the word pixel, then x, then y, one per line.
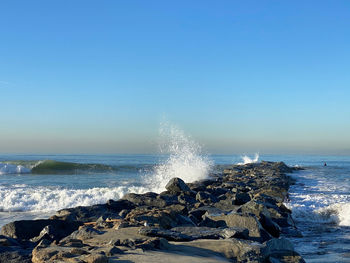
pixel 35 186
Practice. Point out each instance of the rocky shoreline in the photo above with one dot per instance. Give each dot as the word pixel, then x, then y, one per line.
pixel 237 215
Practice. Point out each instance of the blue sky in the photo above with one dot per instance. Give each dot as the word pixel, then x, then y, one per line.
pixel 239 76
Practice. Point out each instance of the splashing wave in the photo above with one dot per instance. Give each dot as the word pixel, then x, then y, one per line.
pixel 185 160
pixel 246 159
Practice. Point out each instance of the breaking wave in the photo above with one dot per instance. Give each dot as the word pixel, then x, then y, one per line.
pixel 21 198
pixel 338 213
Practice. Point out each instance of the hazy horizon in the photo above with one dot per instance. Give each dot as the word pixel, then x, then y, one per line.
pixel 238 77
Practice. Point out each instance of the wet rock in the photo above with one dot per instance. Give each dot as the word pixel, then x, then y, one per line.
pixel 177 186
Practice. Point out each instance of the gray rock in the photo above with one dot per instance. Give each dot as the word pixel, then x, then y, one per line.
pixel 83 233
pixel 206 197
pixel 10 255
pixel 147 199
pixel 256 231
pixel 177 186
pixel 27 229
pixel 242 198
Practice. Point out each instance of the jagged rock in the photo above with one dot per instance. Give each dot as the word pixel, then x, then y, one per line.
pixel 250 222
pixel 71 242
pixel 206 197
pixel 226 205
pixel 254 207
pixel 83 233
pixel 27 229
pixel 186 199
pixel 84 213
pixel 280 250
pixel 147 199
pixel 177 186
pixel 114 251
pixel 14 255
pixel 120 205
pixel 270 226
pixel 152 217
pixel 153 243
pixel 242 198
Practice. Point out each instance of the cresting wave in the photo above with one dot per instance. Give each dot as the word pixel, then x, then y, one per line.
pixel 57 167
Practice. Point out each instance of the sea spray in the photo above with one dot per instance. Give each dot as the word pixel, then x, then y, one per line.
pixel 185 160
pixel 246 159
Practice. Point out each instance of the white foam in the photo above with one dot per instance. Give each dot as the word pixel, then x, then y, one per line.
pixel 6 168
pixel 46 199
pixel 246 159
pixel 185 161
pixel 320 200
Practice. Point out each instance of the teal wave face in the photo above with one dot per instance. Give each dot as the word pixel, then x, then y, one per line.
pixel 60 167
pixel 56 167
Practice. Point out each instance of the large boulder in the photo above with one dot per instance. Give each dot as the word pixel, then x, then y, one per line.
pixel 177 186
pixel 256 231
pixel 27 229
pixel 85 213
pixel 280 250
pixel 148 199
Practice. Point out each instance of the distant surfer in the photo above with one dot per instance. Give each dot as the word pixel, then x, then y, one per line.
pixel 325 164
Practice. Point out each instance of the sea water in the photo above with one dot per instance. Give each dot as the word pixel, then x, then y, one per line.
pixel 320 199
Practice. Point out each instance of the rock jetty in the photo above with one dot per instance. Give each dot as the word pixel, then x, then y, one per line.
pixel 237 215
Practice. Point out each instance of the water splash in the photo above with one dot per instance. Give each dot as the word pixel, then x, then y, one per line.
pixel 185 160
pixel 246 159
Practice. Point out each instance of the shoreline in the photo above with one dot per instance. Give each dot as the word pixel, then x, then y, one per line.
pixel 237 215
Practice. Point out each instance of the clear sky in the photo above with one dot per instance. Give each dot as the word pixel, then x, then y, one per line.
pixel 239 76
